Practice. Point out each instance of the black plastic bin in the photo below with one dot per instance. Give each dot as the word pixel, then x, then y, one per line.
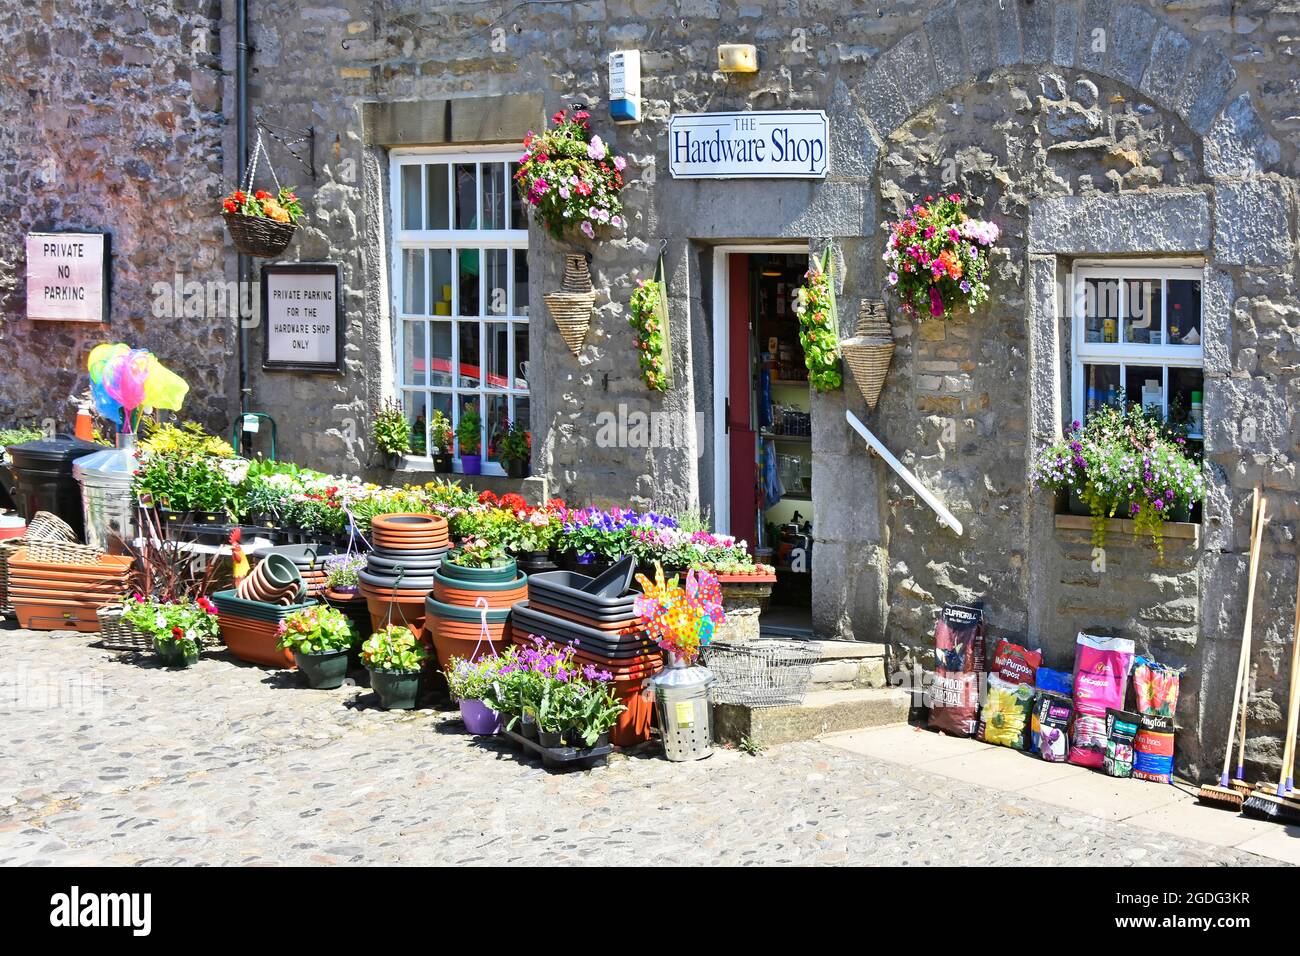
pixel 43 479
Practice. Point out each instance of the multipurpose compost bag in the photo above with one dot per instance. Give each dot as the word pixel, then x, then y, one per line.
pixel 1101 669
pixel 1005 716
pixel 958 661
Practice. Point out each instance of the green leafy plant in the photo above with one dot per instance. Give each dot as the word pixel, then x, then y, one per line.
pixel 479 553
pixel 186 440
pixel 513 443
pixel 316 630
pixel 190 624
pixel 750 746
pixel 440 433
pixel 815 307
pixel 651 337
pixel 392 433
pixel 188 483
pixel 571 178
pixel 19 436
pixel 394 649
pixel 468 680
pixel 470 431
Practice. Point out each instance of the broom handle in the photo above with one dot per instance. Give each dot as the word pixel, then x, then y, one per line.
pixel 1285 778
pixel 1241 658
pixel 1247 634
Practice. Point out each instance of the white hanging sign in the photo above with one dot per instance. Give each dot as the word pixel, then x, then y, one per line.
pixel 67 276
pixel 789 144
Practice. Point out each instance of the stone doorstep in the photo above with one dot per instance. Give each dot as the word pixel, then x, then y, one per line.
pixel 821 712
pixel 848 664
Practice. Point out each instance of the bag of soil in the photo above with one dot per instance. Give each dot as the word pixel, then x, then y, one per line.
pixel 1153 748
pixel 1053 712
pixel 1015 664
pixel 1101 669
pixel 1121 730
pixel 1005 716
pixel 1047 681
pixel 958 660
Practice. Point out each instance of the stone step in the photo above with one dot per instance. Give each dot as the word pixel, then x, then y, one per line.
pixel 845 665
pixel 821 712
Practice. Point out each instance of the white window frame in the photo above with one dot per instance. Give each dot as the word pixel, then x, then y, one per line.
pixel 511 238
pixel 1124 354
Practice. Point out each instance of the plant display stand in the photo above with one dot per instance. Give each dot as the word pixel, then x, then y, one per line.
pixel 561 758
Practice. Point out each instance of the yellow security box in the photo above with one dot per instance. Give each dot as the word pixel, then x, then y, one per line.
pixel 737 58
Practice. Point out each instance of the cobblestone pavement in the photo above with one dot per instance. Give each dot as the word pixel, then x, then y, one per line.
pixel 227 763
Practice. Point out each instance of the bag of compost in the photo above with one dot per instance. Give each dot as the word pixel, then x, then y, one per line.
pixel 1121 729
pixel 1005 716
pixel 1101 669
pixel 1053 712
pixel 1047 681
pixel 958 659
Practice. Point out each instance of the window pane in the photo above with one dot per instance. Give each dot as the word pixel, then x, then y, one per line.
pixel 521 355
pixel 467 264
pixel 498 417
pixel 468 403
pixel 498 359
pixel 411 197
pixel 518 218
pixel 440 262
pixel 1184 315
pixel 521 412
pixel 440 353
pixel 1143 307
pixel 438 215
pixel 415 405
pixel 413 281
pixel 440 402
pixel 413 364
pixel 1101 310
pixel 521 282
pixel 1145 385
pixel 466 196
pixel 497 281
pixel 1100 387
pixel 469 354
pixel 494 195
pixel 1186 388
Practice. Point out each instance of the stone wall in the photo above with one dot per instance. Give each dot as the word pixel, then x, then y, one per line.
pixel 112 121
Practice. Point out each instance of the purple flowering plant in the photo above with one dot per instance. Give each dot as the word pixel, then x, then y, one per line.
pixel 550 685
pixel 571 178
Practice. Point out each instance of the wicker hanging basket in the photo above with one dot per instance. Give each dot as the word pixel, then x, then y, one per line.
pixel 571 307
pixel 869 352
pixel 257 235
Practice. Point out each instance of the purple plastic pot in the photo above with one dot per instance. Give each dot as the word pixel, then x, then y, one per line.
pixel 480 719
pixel 471 464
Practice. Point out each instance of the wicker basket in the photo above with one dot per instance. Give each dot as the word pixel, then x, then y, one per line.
pixel 571 307
pixel 7 549
pixel 119 634
pixel 62 552
pixel 869 352
pixel 257 235
pixel 45 526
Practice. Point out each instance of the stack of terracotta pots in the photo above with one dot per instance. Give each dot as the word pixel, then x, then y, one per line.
pixel 453 619
pixel 597 617
pixel 407 550
pixel 65 596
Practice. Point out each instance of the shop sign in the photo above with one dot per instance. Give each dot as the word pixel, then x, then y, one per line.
pixel 302 318
pixel 790 144
pixel 67 276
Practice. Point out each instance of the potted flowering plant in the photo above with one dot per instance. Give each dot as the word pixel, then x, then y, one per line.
pixel 178 629
pixel 320 638
pixel 938 257
pixel 443 442
pixel 392 433
pixel 514 448
pixel 469 435
pixel 394 656
pixel 814 304
pixel 469 682
pixel 1126 463
pixel 571 178
pixel 262 224
pixel 480 554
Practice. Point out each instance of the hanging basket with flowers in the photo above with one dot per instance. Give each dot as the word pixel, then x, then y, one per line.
pixel 938 257
pixel 649 317
pixel 571 178
pixel 818 326
pixel 261 223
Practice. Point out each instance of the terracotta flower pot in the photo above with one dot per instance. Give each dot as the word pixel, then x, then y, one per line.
pixel 454 591
pixel 254 641
pixel 409 521
pixel 461 639
pixel 407 607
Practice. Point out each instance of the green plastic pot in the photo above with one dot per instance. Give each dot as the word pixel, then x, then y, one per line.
pixel 171 654
pixel 323 671
pixel 397 690
pixel 505 574
pixel 466 584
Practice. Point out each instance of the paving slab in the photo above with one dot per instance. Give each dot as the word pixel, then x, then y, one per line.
pixel 905 744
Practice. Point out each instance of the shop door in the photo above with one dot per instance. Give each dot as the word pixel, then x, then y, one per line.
pixel 742 440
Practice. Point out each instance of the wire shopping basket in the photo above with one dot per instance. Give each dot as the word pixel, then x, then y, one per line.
pixel 761 673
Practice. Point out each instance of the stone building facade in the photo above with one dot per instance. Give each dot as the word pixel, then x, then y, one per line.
pixel 1089 130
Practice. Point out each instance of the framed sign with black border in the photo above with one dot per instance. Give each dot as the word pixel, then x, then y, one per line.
pixel 69 275
pixel 302 319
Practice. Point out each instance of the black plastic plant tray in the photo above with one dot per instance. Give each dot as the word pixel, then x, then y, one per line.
pixel 559 601
pixel 561 757
pixel 568 632
pixel 568 584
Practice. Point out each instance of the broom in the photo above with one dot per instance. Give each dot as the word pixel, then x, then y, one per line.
pixel 1276 806
pixel 1223 795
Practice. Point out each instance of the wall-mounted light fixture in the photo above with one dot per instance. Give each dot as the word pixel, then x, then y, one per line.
pixel 737 58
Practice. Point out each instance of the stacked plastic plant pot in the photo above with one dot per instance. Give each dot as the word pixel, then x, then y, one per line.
pixel 63 588
pixel 453 618
pixel 249 616
pixel 310 565
pixel 406 551
pixel 597 617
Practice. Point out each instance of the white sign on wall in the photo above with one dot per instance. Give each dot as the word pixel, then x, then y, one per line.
pixel 67 277
pixel 790 144
pixel 300 310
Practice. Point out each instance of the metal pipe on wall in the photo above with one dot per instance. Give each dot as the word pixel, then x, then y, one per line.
pixel 245 270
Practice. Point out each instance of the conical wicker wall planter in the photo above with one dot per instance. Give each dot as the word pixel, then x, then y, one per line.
pixel 868 353
pixel 571 307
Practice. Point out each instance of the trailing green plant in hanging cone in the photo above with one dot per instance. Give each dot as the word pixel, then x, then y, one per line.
pixel 651 338
pixel 1124 464
pixel 815 306
pixel 938 257
pixel 571 178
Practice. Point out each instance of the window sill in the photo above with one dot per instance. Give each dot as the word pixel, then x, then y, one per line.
pixel 1173 530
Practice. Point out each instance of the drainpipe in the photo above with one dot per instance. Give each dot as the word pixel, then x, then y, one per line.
pixel 241 137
